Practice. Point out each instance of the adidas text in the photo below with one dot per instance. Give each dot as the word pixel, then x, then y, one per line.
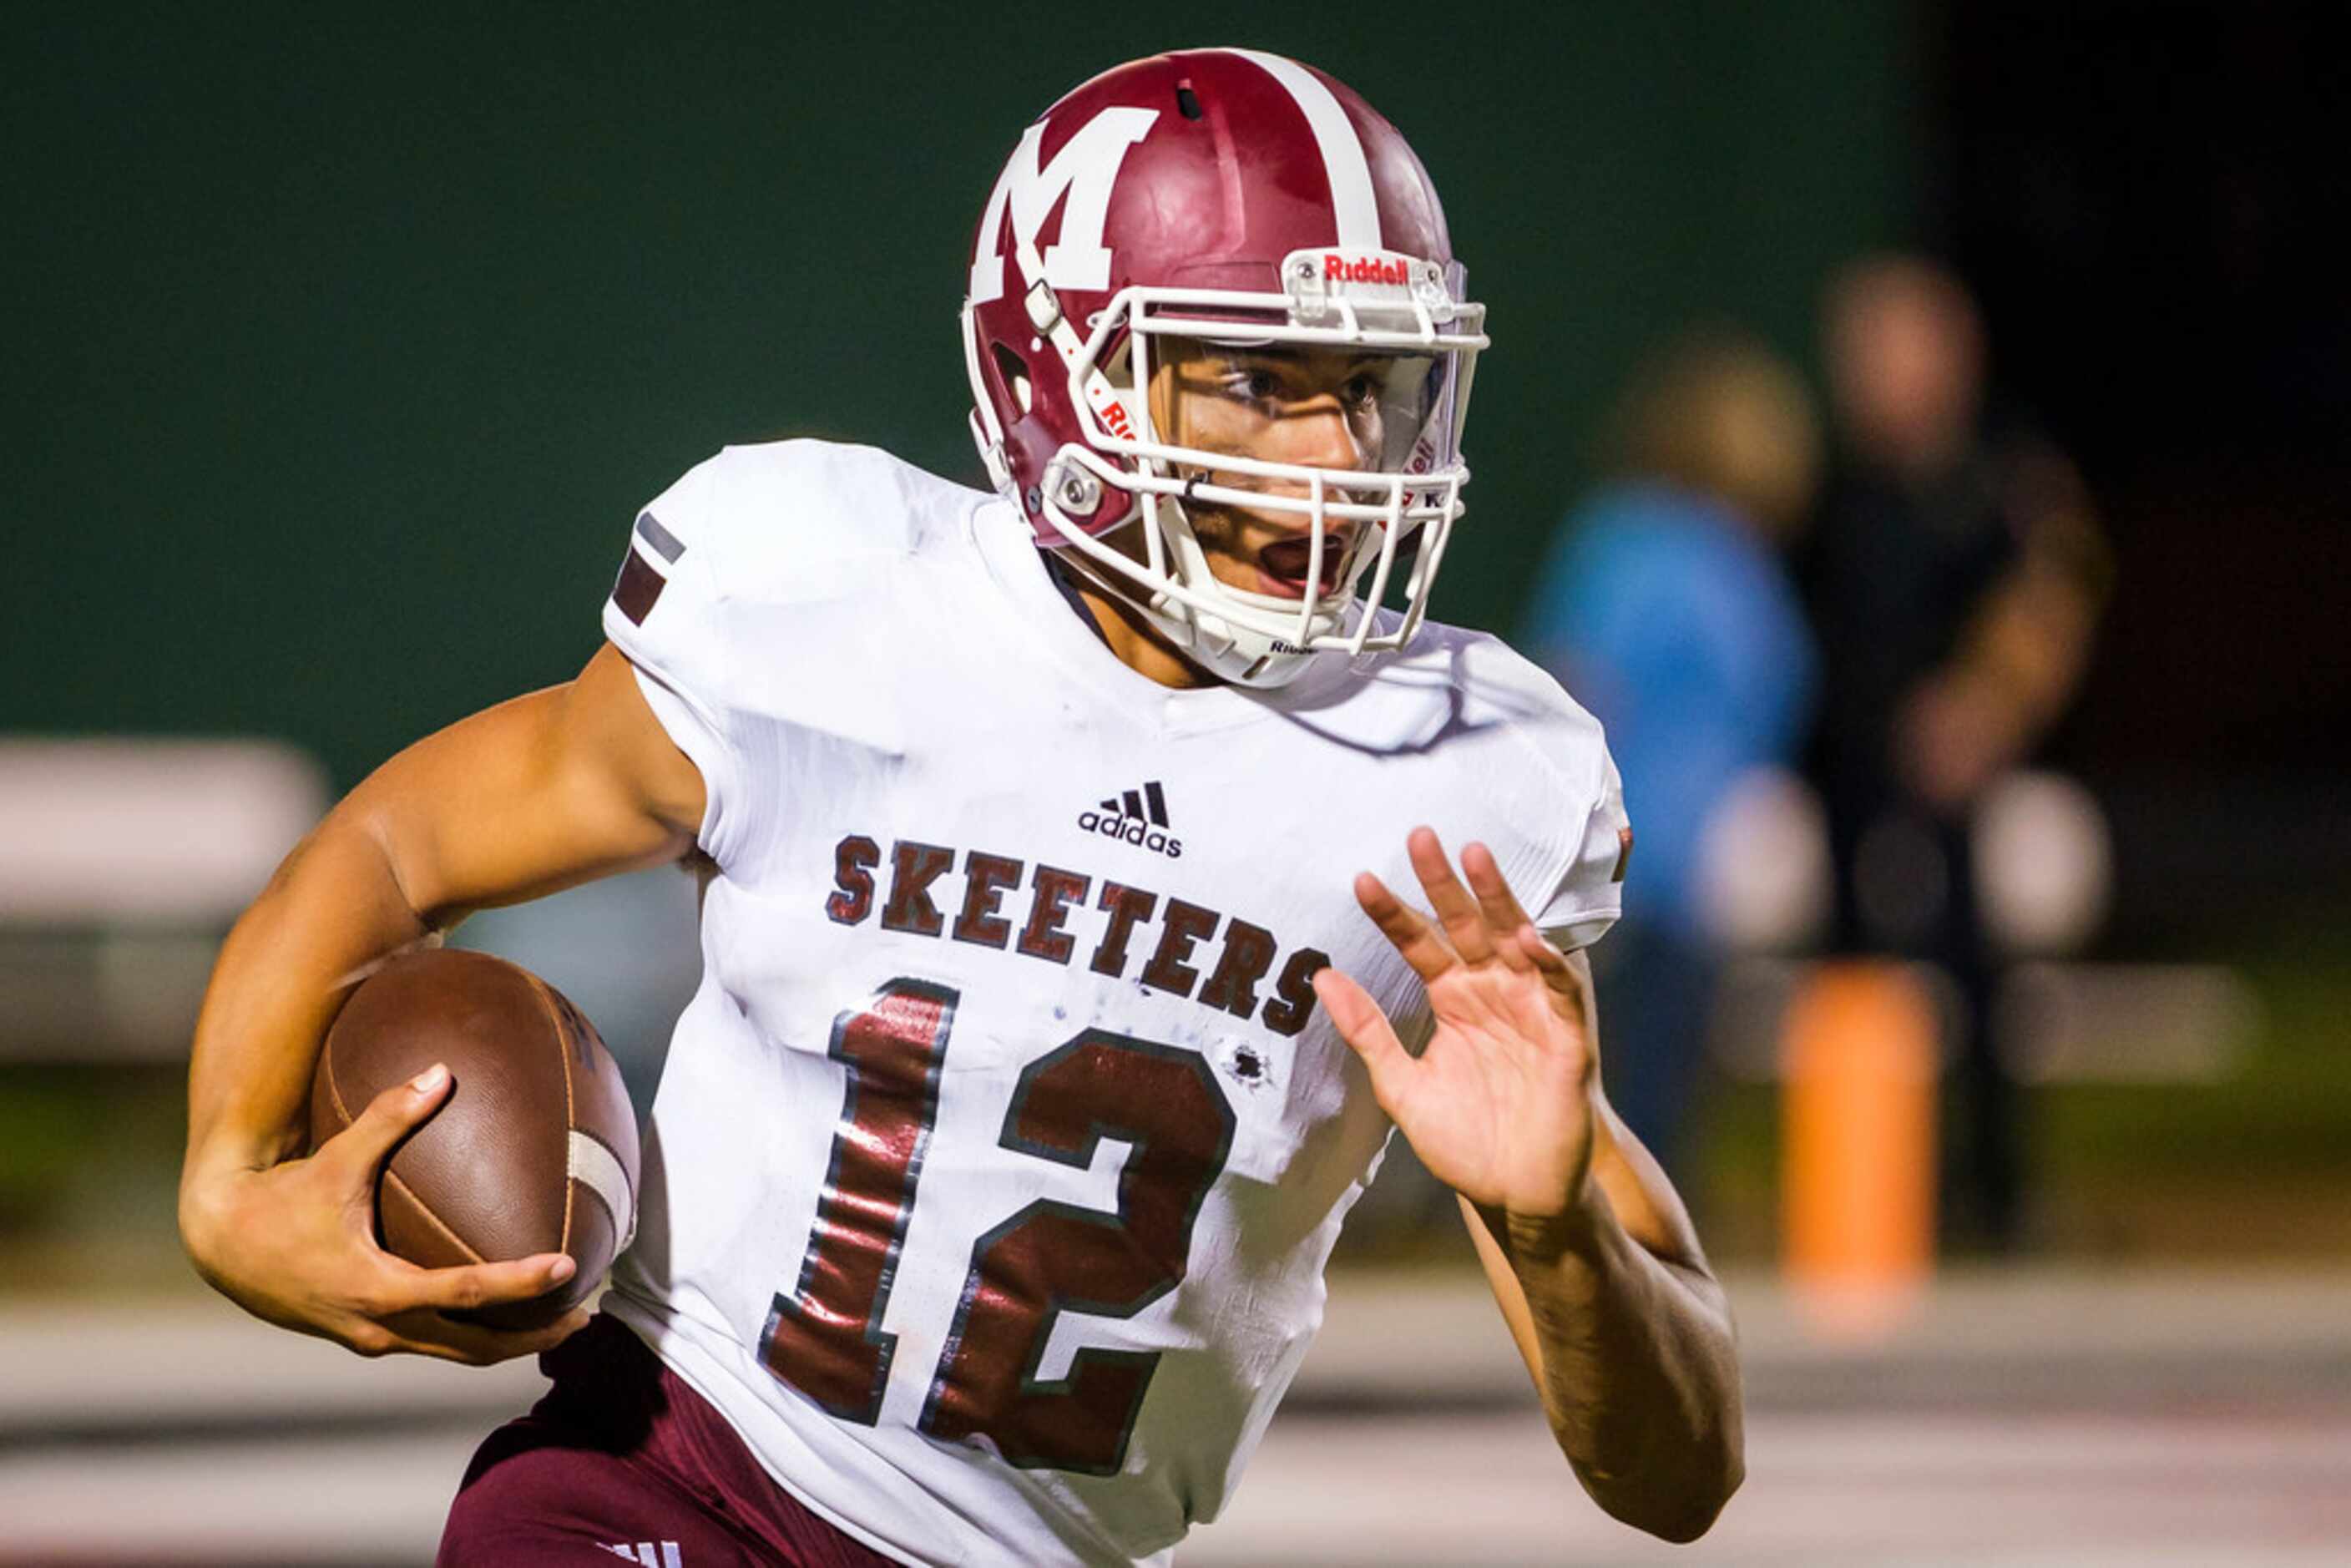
pixel 1130 830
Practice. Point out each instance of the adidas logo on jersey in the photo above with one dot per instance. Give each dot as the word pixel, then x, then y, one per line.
pixel 1135 817
pixel 644 1553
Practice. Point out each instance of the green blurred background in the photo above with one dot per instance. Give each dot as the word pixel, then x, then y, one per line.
pixel 345 350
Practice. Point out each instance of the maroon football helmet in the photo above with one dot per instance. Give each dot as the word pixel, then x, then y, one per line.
pixel 1245 201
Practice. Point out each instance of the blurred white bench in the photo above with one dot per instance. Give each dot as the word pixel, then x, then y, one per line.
pixel 122 862
pixel 2044 865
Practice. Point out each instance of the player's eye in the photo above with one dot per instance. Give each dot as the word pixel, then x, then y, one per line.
pixel 1255 383
pixel 1361 390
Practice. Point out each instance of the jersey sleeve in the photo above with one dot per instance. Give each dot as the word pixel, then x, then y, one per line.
pixel 1588 894
pixel 664 615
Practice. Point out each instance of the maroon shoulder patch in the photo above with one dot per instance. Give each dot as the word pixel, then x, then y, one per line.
pixel 638 587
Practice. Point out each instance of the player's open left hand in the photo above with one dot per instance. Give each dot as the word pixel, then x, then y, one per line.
pixel 295 1244
pixel 1498 1106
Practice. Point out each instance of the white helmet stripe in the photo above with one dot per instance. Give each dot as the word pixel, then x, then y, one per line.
pixel 1342 150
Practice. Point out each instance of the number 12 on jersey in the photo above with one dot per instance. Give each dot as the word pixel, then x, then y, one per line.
pixel 826 1339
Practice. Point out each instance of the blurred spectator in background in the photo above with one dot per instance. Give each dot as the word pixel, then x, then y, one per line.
pixel 1953 577
pixel 1664 608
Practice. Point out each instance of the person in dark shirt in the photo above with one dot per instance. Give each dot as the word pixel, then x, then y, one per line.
pixel 1953 577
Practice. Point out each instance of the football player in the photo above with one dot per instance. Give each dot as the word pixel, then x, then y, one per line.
pixel 1042 1043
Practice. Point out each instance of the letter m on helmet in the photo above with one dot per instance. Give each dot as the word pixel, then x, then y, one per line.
pixel 1083 171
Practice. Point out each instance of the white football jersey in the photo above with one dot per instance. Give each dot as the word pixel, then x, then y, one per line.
pixel 994 1168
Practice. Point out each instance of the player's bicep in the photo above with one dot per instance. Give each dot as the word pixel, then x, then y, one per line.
pixel 618 746
pixel 538 793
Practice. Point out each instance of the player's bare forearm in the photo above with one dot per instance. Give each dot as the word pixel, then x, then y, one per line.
pixel 1636 1358
pixel 332 909
pixel 546 790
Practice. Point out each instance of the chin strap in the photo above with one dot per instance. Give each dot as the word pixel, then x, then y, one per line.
pixel 1052 323
pixel 1060 571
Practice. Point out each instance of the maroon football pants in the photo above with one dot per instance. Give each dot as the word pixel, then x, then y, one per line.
pixel 622 1459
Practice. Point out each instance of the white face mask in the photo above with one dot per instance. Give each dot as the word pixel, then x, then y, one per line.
pixel 1426 336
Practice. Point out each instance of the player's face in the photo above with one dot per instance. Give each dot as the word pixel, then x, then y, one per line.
pixel 1320 408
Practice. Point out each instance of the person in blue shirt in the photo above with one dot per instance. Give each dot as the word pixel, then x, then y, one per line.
pixel 1664 608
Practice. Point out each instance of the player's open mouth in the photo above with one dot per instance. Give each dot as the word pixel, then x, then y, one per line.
pixel 1282 565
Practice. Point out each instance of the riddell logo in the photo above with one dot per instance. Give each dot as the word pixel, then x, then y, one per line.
pixel 1364 270
pixel 1137 817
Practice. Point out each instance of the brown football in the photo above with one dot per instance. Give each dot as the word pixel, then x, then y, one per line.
pixel 534 1149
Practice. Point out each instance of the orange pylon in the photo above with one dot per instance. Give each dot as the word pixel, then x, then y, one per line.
pixel 1858 1061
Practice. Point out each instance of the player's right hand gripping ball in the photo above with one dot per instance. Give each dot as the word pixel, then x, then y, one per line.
pixel 534 1151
